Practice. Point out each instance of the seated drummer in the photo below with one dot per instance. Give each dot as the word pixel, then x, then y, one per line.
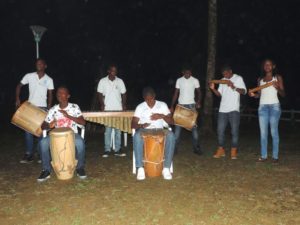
pixel 152 114
pixel 64 114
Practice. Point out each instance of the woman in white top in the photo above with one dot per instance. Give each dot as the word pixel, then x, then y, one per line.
pixel 269 110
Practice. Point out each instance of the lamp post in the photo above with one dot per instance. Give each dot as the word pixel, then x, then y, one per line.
pixel 38 32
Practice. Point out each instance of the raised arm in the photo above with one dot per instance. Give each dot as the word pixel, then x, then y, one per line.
pixel 213 89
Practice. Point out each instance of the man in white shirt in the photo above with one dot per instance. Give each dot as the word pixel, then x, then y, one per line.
pixel 112 97
pixel 40 94
pixel 186 86
pixel 229 111
pixel 64 114
pixel 152 114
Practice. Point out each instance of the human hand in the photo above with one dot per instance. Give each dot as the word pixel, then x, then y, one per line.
pixel 156 116
pixel 211 85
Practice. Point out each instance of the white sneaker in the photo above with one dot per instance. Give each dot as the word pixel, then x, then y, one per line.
pixel 141 174
pixel 167 174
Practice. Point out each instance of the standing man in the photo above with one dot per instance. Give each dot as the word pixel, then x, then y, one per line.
pixel 112 97
pixel 186 86
pixel 40 94
pixel 229 110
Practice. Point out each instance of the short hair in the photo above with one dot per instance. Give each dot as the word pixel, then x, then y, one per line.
pixel 225 67
pixel 111 66
pixel 41 59
pixel 64 87
pixel 148 91
pixel 186 68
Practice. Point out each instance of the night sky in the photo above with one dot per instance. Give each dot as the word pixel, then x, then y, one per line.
pixel 150 40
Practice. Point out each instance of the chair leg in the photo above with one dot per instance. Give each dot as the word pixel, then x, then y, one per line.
pixel 133 164
pixel 171 168
pixel 125 139
pixel 112 144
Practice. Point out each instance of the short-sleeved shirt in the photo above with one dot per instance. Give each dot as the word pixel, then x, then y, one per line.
pixel 187 89
pixel 61 120
pixel 144 112
pixel 112 91
pixel 230 99
pixel 38 88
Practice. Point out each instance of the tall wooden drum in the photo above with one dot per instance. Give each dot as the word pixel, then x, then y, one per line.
pixel 62 147
pixel 154 148
pixel 185 117
pixel 29 118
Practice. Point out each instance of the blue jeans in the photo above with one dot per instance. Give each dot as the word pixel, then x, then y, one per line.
pixel 29 140
pixel 107 139
pixel 138 147
pixel 269 114
pixel 46 157
pixel 234 120
pixel 195 135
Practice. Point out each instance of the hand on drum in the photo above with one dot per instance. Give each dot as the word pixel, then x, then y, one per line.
pixel 52 124
pixel 156 116
pixel 252 94
pixel 18 103
pixel 212 85
pixel 230 84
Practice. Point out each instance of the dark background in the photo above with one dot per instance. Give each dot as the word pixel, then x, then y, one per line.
pixel 150 40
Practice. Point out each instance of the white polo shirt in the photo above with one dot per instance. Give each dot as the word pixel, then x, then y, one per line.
pixel 230 99
pixel 112 91
pixel 144 112
pixel 38 88
pixel 187 89
pixel 61 120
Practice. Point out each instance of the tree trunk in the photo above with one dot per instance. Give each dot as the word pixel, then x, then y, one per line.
pixel 211 64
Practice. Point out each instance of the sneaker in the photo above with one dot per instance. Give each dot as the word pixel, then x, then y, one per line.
pixel 219 153
pixel 261 160
pixel 198 152
pixel 120 153
pixel 27 159
pixel 106 154
pixel 233 153
pixel 141 174
pixel 275 161
pixel 39 161
pixel 81 173
pixel 167 174
pixel 45 175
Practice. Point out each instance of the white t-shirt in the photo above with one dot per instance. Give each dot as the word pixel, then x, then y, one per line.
pixel 38 88
pixel 61 120
pixel 187 89
pixel 230 99
pixel 268 95
pixel 144 112
pixel 112 91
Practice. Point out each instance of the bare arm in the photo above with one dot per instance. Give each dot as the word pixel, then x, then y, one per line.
pixel 279 86
pixel 198 98
pixel 124 101
pixel 101 101
pixel 49 98
pixel 167 118
pixel 213 89
pixel 174 99
pixel 18 91
pixel 135 123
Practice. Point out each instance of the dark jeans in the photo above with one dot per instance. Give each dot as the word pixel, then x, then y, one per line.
pixel 195 135
pixel 234 120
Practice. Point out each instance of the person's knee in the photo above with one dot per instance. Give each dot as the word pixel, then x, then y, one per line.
pixel 171 136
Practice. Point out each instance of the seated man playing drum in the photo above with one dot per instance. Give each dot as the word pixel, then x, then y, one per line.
pixel 152 114
pixel 64 114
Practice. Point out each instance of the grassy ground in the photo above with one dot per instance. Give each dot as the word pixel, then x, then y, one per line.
pixel 203 190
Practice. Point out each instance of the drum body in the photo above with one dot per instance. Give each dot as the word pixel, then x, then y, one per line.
pixel 154 146
pixel 29 118
pixel 185 117
pixel 62 147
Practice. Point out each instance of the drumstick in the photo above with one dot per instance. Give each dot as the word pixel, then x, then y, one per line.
pixel 220 81
pixel 261 87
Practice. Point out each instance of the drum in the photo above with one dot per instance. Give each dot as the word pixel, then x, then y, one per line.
pixel 29 118
pixel 154 146
pixel 185 117
pixel 62 147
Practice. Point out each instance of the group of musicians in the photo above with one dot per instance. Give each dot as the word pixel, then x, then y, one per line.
pixel 153 114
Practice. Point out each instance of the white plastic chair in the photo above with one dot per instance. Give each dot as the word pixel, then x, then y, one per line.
pixel 133 156
pixel 112 142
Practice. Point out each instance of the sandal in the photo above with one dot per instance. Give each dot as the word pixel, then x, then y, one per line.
pixel 260 159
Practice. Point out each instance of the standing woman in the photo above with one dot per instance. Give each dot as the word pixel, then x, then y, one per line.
pixel 269 110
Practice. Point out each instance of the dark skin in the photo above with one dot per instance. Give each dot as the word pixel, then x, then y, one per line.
pixel 112 73
pixel 150 100
pixel 63 96
pixel 186 74
pixel 41 66
pixel 268 68
pixel 226 74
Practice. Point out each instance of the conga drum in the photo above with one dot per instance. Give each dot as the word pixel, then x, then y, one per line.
pixel 29 118
pixel 62 148
pixel 185 117
pixel 154 148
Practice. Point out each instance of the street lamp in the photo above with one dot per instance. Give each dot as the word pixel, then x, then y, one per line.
pixel 38 32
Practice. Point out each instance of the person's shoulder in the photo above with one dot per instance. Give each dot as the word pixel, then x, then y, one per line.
pixel 73 105
pixel 48 77
pixel 119 79
pixel 161 104
pixel 31 74
pixel 103 79
pixel 141 105
pixel 54 108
